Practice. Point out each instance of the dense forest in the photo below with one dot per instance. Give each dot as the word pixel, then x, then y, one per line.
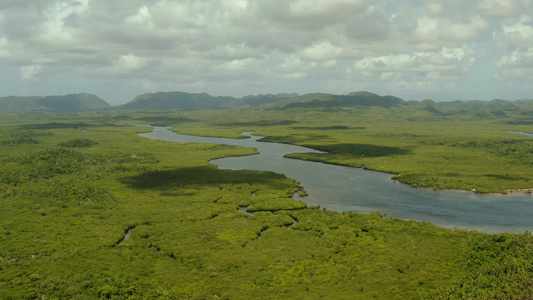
pixel 90 210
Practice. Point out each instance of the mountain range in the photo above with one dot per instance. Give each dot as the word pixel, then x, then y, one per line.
pixel 187 101
pixel 197 101
pixel 66 103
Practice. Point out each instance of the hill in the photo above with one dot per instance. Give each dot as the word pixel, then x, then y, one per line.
pixel 177 100
pixel 187 101
pixel 352 99
pixel 65 103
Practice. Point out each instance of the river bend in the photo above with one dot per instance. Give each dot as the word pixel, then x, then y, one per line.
pixel 342 188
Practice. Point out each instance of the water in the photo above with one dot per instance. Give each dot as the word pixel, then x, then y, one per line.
pixel 353 189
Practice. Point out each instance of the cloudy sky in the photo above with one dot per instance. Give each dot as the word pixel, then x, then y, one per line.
pixel 414 49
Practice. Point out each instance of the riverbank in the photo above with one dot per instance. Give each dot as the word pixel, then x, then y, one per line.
pixel 342 188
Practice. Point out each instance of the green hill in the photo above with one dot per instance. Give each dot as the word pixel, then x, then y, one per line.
pixel 177 100
pixel 188 101
pixel 71 102
pixel 352 99
pixel 264 100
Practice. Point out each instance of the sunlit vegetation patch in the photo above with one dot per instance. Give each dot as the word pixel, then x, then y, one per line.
pixel 78 143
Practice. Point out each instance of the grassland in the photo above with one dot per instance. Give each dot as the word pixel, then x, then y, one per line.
pixel 72 185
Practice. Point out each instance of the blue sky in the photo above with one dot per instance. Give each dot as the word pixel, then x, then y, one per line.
pixel 431 49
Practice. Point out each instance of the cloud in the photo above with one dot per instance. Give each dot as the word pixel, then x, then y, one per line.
pixel 4 51
pixel 444 64
pixel 129 62
pixel 321 51
pixel 142 17
pixel 29 73
pixel 236 46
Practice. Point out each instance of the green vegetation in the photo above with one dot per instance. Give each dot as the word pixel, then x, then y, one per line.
pixel 454 149
pixel 72 185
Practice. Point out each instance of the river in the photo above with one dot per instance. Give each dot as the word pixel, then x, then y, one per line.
pixel 341 188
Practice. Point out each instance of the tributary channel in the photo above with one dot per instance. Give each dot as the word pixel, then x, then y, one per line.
pixel 341 188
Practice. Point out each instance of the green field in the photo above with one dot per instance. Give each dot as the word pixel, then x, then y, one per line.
pixel 72 185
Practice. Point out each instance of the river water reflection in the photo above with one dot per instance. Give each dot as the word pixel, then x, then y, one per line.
pixel 352 189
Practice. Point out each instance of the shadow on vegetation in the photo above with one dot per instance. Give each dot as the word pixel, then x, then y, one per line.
pixel 505 177
pixel 328 128
pixel 259 123
pixel 294 139
pixel 362 149
pixel 451 174
pixel 203 175
pixel 520 121
pixel 55 125
pixel 78 143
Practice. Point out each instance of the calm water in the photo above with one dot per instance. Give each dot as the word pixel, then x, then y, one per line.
pixel 352 189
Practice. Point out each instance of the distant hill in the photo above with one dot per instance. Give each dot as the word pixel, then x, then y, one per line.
pixel 352 99
pixel 187 101
pixel 177 100
pixel 263 100
pixel 66 103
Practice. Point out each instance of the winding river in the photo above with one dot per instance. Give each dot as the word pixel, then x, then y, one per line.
pixel 341 188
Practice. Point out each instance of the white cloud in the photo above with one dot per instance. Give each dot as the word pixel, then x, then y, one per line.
pixel 312 8
pixel 4 51
pixel 53 27
pixel 142 17
pixel 130 62
pixel 445 64
pixel 29 73
pixel 322 51
pixel 238 64
pixel 517 64
pixel 516 41
pixel 515 35
pixel 499 8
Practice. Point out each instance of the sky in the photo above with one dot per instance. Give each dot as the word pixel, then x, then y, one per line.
pixel 412 49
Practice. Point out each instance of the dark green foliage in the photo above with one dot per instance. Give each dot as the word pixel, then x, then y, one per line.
pixel 361 149
pixel 519 150
pixel 501 268
pixel 13 138
pixel 78 143
pixel 202 175
pixel 44 164
pixel 56 125
pixel 262 123
pixel 49 163
pixel 335 127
